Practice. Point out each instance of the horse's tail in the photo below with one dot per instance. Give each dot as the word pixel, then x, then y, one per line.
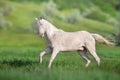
pixel 101 39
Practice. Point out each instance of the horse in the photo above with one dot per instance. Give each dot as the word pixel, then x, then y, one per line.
pixel 59 40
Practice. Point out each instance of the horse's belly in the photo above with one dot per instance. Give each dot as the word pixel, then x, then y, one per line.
pixel 72 48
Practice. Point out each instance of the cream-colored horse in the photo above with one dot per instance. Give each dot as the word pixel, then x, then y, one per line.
pixel 58 40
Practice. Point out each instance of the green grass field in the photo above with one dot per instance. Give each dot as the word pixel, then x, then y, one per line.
pixel 19 60
pixel 20 48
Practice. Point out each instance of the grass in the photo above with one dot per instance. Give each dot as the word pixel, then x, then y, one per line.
pixel 23 64
pixel 9 39
pixel 19 60
pixel 28 13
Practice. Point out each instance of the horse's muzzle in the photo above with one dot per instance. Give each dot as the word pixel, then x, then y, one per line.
pixel 41 35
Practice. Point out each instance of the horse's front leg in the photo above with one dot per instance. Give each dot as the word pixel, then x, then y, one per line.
pixel 54 53
pixel 48 50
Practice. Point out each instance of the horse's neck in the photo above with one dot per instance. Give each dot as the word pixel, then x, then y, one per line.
pixel 50 31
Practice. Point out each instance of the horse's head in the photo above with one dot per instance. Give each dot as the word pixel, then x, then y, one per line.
pixel 41 25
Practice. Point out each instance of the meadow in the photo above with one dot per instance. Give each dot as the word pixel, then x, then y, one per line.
pixel 20 61
pixel 20 45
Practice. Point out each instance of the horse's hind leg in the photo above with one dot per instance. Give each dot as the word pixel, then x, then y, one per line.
pixel 84 55
pixel 91 49
pixel 48 50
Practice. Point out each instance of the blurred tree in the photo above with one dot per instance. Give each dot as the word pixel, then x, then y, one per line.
pixel 50 11
pixel 118 7
pixel 4 11
pixel 117 36
pixel 73 17
pixel 3 22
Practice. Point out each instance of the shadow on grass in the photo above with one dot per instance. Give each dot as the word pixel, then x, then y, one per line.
pixel 18 63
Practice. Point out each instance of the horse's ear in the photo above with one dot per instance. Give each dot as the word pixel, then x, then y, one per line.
pixel 41 17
